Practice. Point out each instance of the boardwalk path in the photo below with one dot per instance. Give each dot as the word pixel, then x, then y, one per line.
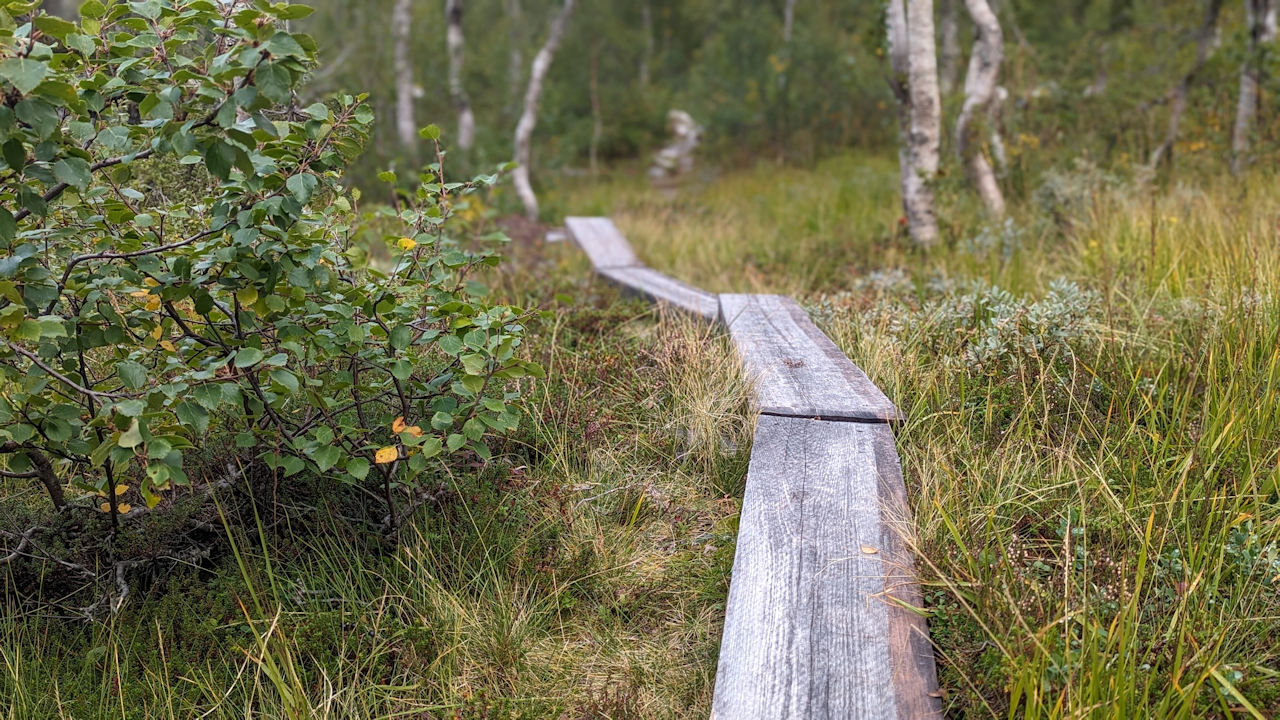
pixel 819 622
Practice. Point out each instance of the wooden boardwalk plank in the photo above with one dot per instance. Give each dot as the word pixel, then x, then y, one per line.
pixel 808 633
pixel 799 371
pixel 656 287
pixel 601 241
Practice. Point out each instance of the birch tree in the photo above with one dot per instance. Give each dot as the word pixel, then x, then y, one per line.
pixel 1261 16
pixel 529 114
pixel 406 128
pixel 914 63
pixel 979 96
pixel 1178 96
pixel 456 47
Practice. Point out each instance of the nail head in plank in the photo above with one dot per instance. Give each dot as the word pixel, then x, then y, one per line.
pixel 659 288
pixel 798 370
pixel 808 632
pixel 601 241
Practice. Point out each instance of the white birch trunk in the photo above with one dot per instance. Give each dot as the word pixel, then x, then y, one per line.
pixel 979 96
pixel 406 128
pixel 1262 30
pixel 456 45
pixel 529 115
pixel 913 57
pixel 788 21
pixel 1178 96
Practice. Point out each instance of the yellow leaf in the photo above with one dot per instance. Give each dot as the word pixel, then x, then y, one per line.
pixel 407 243
pixel 398 425
pixel 150 282
pixel 121 489
pixel 168 346
pixel 868 550
pixel 386 455
pixel 139 294
pixel 105 507
pixel 153 302
pixel 414 430
pixel 124 508
pixel 157 332
pixel 153 501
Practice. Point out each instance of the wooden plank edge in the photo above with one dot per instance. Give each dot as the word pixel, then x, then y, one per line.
pixel 915 673
pixel 578 228
pixel 886 414
pixel 701 305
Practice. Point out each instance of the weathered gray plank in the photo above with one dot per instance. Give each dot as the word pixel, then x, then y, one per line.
pixel 798 370
pixel 807 632
pixel 601 241
pixel 656 287
pixel 915 677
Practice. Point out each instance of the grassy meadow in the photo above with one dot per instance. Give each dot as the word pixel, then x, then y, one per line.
pixel 1092 446
pixel 1091 452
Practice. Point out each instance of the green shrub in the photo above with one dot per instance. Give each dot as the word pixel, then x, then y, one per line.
pixel 179 261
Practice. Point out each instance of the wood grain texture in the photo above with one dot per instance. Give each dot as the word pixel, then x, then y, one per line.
pixel 807 632
pixel 656 287
pixel 914 673
pixel 601 241
pixel 798 370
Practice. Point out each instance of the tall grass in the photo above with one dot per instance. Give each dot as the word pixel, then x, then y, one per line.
pixel 582 574
pixel 1093 434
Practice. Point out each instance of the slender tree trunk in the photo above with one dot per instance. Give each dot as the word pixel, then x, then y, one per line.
pixel 646 26
pixel 529 115
pixel 406 128
pixel 597 117
pixel 949 41
pixel 914 61
pixel 788 21
pixel 1262 30
pixel 515 55
pixel 1178 96
pixel 979 95
pixel 457 46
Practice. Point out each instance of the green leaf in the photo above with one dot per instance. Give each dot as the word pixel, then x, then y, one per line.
pixel 219 157
pixel 193 416
pixel 149 9
pixel 133 375
pixel 326 457
pixel 474 363
pixel 286 379
pixel 402 370
pixel 431 447
pixel 246 440
pixel 275 82
pixel 401 337
pixel 54 26
pixel 450 344
pixel 303 186
pixel 73 171
pixel 358 468
pixel 248 357
pixel 430 132
pixel 132 437
pixel 24 73
pixel 456 441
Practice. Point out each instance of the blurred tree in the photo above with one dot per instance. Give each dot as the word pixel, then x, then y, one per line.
pixel 914 62
pixel 979 97
pixel 1261 24
pixel 529 115
pixel 401 28
pixel 457 48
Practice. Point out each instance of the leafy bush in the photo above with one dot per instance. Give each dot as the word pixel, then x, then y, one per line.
pixel 180 262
